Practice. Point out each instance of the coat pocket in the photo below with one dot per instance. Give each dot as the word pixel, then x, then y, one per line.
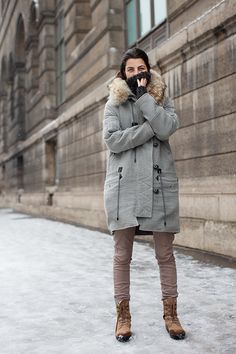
pixel 169 187
pixel 170 184
pixel 112 194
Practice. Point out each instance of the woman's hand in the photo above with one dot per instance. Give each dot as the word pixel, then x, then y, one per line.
pixel 142 82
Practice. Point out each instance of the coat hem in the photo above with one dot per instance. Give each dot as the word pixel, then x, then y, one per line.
pixel 160 230
pixel 123 228
pixel 144 229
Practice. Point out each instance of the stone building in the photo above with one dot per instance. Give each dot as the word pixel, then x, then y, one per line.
pixel 56 59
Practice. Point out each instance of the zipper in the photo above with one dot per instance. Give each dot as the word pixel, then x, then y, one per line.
pixel 135 159
pixel 162 193
pixel 133 124
pixel 118 194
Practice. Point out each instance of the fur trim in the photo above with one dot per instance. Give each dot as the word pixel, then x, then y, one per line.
pixel 120 91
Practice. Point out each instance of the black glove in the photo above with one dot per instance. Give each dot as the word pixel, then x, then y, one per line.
pixel 141 90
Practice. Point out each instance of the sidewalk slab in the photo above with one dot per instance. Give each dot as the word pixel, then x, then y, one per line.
pixel 57 295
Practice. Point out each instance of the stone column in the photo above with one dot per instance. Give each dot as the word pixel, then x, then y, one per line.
pixel 47 74
pixel 109 16
pixel 77 23
pixel 32 66
pixel 32 81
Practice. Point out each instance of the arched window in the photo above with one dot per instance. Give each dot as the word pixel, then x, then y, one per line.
pixel 3 75
pixel 60 58
pixel 11 86
pixel 3 3
pixel 32 50
pixel 3 106
pixel 3 80
pixel 19 79
pixel 20 41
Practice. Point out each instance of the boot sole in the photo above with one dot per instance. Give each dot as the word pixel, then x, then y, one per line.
pixel 176 336
pixel 123 338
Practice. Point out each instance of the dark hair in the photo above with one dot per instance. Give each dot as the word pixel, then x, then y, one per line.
pixel 133 53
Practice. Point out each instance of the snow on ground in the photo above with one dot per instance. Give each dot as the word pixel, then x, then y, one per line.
pixel 56 295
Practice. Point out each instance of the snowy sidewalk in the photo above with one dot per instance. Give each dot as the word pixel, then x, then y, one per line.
pixel 56 295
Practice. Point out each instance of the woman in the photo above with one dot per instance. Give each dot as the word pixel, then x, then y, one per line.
pixel 141 187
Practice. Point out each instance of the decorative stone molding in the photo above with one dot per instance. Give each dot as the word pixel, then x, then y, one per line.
pixel 196 36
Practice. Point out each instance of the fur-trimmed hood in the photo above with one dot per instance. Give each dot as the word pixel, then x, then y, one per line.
pixel 120 91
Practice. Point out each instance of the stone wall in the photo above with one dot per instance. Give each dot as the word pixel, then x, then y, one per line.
pixel 199 66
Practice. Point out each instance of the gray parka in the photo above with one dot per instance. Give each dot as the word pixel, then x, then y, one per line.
pixel 141 187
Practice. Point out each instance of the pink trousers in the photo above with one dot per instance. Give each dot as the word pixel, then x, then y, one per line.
pixel 163 245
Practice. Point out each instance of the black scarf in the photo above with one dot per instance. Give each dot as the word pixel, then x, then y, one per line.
pixel 133 83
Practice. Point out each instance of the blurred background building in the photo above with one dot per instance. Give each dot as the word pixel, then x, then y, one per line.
pixel 56 59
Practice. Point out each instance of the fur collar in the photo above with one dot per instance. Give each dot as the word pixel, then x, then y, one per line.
pixel 120 91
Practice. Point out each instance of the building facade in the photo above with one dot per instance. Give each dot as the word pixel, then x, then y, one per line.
pixel 56 60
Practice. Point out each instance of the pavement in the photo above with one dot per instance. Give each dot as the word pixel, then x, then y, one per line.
pixel 56 294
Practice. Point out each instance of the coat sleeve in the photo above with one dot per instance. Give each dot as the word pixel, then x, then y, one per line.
pixel 163 120
pixel 118 140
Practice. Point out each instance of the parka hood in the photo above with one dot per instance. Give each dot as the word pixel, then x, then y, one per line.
pixel 120 91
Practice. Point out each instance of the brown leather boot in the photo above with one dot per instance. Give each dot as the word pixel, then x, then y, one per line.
pixel 173 325
pixel 123 323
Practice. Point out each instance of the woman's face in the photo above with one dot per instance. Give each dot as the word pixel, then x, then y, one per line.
pixel 134 67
